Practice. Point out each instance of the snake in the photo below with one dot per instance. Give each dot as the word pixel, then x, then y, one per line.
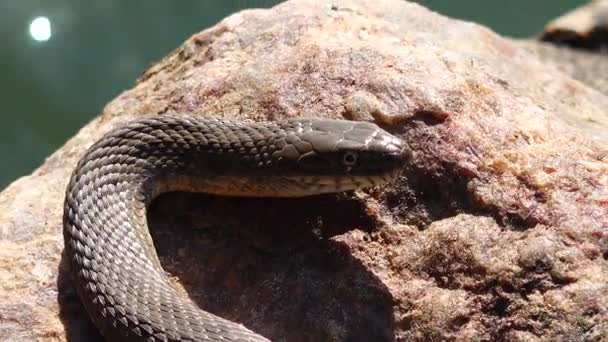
pixel 113 262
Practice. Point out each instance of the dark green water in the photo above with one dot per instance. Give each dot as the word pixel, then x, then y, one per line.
pixel 49 89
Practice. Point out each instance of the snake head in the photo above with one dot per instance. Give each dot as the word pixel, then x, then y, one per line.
pixel 337 155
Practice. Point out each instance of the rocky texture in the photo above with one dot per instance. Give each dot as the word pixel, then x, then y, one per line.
pixel 585 66
pixel 497 231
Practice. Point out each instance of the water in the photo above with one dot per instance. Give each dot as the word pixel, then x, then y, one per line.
pixel 55 79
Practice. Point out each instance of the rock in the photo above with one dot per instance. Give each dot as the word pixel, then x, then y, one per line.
pixel 577 39
pixel 498 230
pixel 584 27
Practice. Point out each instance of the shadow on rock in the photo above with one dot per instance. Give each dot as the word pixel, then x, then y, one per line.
pixel 271 265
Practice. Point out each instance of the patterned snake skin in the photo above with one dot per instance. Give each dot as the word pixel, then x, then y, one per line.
pixel 115 267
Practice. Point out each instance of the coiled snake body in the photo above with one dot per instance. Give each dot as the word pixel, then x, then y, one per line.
pixel 115 267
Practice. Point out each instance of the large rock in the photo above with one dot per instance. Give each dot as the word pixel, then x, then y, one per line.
pixel 584 27
pixel 498 230
pixel 578 32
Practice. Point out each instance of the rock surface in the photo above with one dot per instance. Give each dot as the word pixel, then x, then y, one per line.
pixel 497 231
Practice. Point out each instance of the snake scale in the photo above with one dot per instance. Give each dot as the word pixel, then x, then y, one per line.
pixel 116 270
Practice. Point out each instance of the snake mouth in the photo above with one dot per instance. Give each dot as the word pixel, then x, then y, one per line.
pixel 383 169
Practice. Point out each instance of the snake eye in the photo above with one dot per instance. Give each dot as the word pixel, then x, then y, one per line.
pixel 349 158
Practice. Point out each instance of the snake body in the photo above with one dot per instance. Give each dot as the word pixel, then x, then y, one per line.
pixel 116 270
